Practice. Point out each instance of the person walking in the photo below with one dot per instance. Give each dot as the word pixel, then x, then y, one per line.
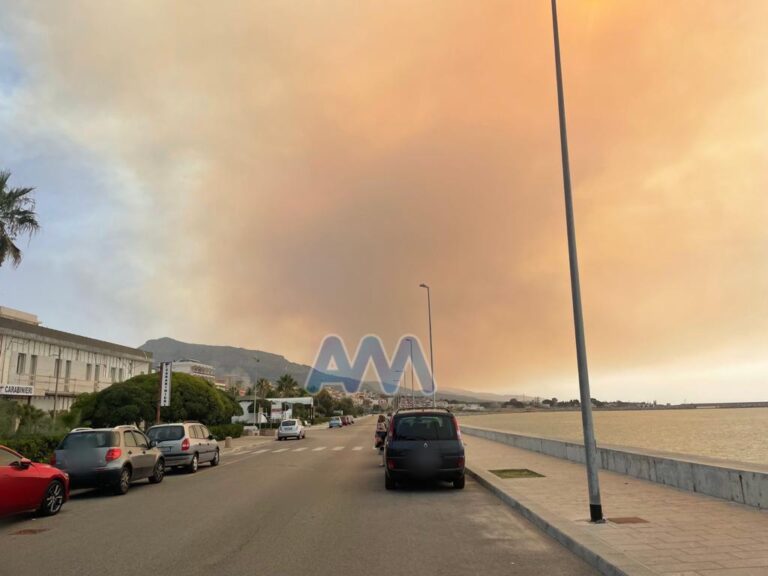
pixel 381 435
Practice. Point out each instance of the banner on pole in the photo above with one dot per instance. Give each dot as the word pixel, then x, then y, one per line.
pixel 165 383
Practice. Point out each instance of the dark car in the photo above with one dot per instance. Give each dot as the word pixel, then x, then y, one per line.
pixel 424 444
pixel 26 485
pixel 109 458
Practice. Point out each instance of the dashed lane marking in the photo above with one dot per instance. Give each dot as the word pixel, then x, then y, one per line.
pixel 280 450
pixel 357 448
pixel 318 449
pixel 339 448
pixel 300 449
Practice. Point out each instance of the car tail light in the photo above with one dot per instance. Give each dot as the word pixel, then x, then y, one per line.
pixel 185 444
pixel 390 464
pixel 458 430
pixel 113 454
pixel 460 462
pixel 391 432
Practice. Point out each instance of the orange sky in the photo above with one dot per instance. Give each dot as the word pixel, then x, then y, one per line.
pixel 313 162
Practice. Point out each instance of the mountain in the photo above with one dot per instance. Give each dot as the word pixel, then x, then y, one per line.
pixel 250 365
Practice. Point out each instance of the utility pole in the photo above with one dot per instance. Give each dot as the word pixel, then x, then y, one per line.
pixel 590 445
pixel 431 356
pixel 56 388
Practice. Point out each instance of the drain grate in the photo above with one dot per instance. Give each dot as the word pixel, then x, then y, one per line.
pixel 29 531
pixel 511 473
pixel 628 520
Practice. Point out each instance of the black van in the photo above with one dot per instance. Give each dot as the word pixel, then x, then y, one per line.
pixel 424 444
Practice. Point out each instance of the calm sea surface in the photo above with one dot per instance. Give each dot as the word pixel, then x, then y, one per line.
pixel 734 434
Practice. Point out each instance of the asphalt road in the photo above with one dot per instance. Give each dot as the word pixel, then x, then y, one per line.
pixel 310 512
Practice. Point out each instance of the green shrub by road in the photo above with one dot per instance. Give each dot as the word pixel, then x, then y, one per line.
pixel 37 448
pixel 135 401
pixel 221 431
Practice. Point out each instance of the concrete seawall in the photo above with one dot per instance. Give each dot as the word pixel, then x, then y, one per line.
pixel 735 481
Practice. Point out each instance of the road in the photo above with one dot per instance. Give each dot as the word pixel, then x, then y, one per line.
pixel 311 507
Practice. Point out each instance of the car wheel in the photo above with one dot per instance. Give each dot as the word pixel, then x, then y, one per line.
pixel 216 458
pixel 53 499
pixel 123 483
pixel 459 483
pixel 389 483
pixel 193 466
pixel 158 473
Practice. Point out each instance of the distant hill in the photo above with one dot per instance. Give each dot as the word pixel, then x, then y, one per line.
pixel 241 363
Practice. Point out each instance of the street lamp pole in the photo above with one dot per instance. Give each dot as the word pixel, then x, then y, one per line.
pixel 431 356
pixel 590 447
pixel 413 396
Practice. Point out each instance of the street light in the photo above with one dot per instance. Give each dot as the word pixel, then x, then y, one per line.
pixel 431 357
pixel 413 397
pixel 590 447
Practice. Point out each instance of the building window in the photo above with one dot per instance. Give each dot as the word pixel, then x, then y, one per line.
pixel 32 367
pixel 98 372
pixel 21 363
pixel 112 374
pixel 67 371
pixel 88 369
pixel 122 375
pixel 57 368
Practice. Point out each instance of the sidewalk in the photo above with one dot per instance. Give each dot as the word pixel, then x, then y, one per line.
pixel 679 533
pixel 245 443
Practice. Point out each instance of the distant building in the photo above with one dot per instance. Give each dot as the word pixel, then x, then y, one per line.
pixel 38 363
pixel 195 368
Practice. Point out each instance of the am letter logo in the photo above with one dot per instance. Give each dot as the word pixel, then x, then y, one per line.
pixel 333 364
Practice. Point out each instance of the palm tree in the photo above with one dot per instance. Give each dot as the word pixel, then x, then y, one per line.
pixel 263 386
pixel 287 387
pixel 17 218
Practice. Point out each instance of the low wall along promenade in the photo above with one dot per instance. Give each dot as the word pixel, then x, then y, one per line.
pixel 735 481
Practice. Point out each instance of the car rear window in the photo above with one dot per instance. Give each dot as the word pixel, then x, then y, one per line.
pixel 288 423
pixel 425 427
pixel 89 440
pixel 166 433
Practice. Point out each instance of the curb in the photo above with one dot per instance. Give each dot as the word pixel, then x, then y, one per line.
pixel 604 558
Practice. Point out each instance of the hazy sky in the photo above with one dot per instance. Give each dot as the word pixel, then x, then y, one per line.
pixel 261 174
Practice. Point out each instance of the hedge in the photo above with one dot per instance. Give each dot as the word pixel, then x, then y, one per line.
pixel 221 431
pixel 36 448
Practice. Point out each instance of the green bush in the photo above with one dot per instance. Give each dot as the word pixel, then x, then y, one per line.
pixel 36 448
pixel 221 431
pixel 135 401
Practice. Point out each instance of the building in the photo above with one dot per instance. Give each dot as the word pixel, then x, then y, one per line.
pixel 38 364
pixel 195 368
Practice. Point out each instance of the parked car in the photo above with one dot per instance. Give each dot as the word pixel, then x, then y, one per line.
pixel 351 419
pixel 424 444
pixel 27 485
pixel 109 458
pixel 290 429
pixel 335 422
pixel 345 420
pixel 187 445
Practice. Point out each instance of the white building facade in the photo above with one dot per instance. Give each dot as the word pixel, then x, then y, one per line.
pixel 38 364
pixel 195 368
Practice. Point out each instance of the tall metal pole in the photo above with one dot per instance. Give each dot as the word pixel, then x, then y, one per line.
pixel 413 395
pixel 56 389
pixel 590 447
pixel 431 356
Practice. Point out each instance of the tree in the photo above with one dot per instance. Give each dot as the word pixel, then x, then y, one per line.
pixel 324 401
pixel 17 218
pixel 263 387
pixel 287 387
pixel 135 401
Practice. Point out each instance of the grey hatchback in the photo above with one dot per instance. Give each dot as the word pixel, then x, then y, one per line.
pixel 109 457
pixel 186 444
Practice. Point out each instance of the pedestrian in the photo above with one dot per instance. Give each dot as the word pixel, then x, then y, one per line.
pixel 381 435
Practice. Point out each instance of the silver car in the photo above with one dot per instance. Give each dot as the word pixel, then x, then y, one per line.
pixel 290 429
pixel 109 457
pixel 185 444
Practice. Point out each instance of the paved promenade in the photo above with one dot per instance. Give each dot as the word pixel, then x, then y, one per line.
pixel 679 533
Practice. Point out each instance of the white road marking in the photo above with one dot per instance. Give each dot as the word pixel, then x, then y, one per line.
pixel 261 451
pixel 318 449
pixel 357 448
pixel 339 448
pixel 280 450
pixel 300 449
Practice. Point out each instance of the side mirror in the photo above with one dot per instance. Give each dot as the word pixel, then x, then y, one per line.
pixel 22 464
pixel 210 437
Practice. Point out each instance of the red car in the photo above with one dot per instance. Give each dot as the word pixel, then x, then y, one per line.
pixel 26 485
